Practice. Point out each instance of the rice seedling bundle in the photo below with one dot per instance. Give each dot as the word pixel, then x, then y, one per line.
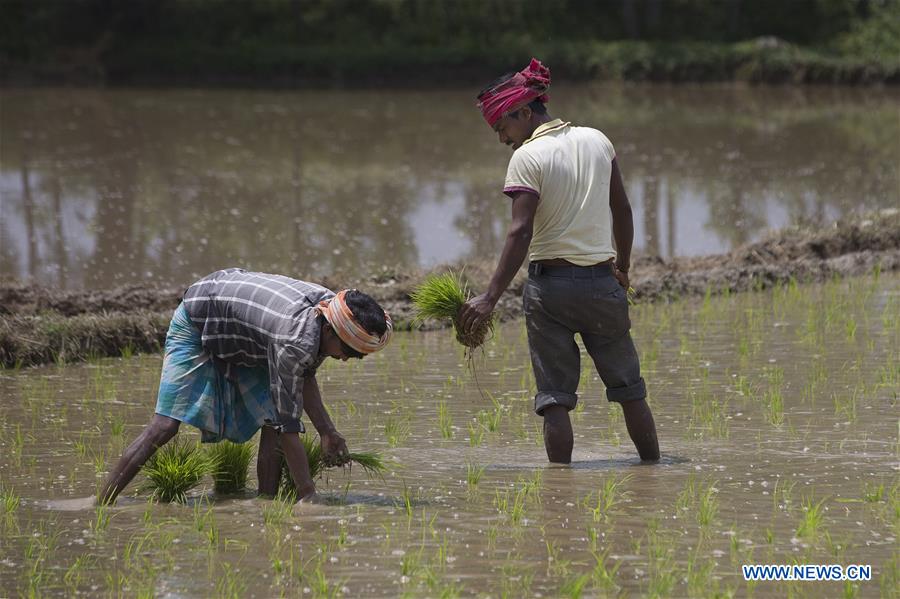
pixel 230 464
pixel 441 297
pixel 175 469
pixel 370 461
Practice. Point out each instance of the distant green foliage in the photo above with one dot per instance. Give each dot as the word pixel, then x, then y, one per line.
pixel 876 38
pixel 175 469
pixel 332 40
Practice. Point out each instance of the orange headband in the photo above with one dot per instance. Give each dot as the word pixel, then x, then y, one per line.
pixel 339 316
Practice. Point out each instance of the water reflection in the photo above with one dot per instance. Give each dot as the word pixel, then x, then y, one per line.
pixel 106 187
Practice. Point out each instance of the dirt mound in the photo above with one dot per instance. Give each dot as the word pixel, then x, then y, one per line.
pixel 38 324
pixel 34 299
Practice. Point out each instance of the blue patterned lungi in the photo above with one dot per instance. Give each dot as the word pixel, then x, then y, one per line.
pixel 194 391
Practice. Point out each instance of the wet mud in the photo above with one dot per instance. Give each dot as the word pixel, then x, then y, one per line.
pixel 40 324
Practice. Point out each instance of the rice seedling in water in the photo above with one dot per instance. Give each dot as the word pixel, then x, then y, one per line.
pixel 99 459
pixel 370 461
pixel 231 582
pixel 608 496
pixel 699 574
pixel 574 587
pixel 603 576
pixel 101 519
pixel 205 523
pixel 491 535
pixel 442 554
pixel 117 426
pixel 320 586
pixel 708 506
pixel 555 565
pixel 773 399
pixel 175 469
pixel 516 581
pixel 845 403
pixel 75 574
pixel 276 512
pixel 687 496
pixel 741 384
pixel 811 520
pixel 18 445
pixel 708 415
pixel 9 500
pixel 396 431
pixel 873 495
pixel 445 420
pixel 476 434
pixel 660 553
pixel 406 501
pixel 411 563
pixel 230 464
pixel 512 506
pixel 473 474
pixel 441 297
pixel 784 492
pixel 490 420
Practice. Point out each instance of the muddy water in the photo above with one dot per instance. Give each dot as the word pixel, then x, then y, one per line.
pixel 737 476
pixel 104 187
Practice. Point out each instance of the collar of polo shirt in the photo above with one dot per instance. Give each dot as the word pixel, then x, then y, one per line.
pixel 546 128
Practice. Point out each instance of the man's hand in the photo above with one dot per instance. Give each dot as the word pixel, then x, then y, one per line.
pixel 334 449
pixel 622 278
pixel 476 311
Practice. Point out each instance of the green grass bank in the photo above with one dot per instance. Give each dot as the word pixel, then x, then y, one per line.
pixel 40 325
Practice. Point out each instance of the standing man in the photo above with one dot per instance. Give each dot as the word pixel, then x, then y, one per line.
pixel 568 203
pixel 241 354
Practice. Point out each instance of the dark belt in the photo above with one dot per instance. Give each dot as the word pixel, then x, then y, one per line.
pixel 575 272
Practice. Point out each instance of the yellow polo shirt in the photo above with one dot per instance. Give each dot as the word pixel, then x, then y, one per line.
pixel 569 169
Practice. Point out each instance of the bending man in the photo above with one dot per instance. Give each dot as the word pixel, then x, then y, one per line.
pixel 241 354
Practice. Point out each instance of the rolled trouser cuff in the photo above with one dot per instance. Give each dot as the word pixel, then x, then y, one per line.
pixel 545 399
pixel 632 392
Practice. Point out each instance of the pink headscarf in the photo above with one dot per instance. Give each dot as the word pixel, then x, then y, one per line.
pixel 529 84
pixel 340 317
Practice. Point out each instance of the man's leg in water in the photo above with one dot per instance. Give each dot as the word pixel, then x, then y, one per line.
pixel 156 434
pixel 269 462
pixel 558 437
pixel 556 361
pixel 641 429
pixel 557 365
pixel 618 365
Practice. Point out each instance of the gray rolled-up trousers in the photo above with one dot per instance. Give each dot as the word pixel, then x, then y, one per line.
pixel 562 301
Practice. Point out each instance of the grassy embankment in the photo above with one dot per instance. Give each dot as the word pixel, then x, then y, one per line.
pixel 29 337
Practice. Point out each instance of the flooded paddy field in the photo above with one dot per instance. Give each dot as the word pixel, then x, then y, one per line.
pixel 110 187
pixel 777 418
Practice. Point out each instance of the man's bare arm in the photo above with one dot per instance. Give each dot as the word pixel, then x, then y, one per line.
pixel 333 444
pixel 313 406
pixel 622 223
pixel 515 249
